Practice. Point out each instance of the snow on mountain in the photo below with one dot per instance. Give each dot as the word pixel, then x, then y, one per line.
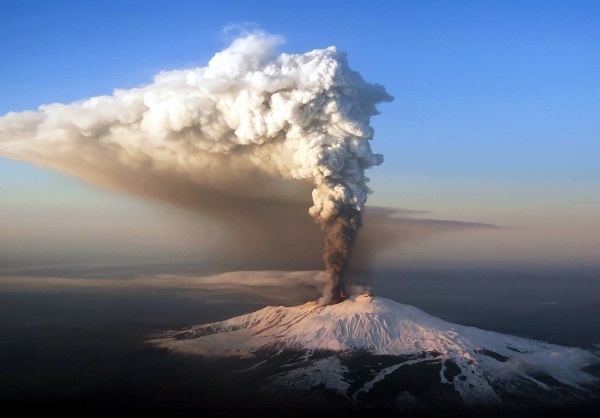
pixel 474 361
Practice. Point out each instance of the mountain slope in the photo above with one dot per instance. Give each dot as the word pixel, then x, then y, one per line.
pixel 482 366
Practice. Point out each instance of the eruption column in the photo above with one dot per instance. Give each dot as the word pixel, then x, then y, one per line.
pixel 247 125
pixel 340 233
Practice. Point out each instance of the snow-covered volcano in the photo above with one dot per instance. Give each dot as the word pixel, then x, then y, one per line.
pixel 365 343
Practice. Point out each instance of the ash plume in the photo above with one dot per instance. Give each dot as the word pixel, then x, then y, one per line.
pixel 251 125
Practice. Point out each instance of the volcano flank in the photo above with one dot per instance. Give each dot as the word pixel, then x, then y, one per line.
pixel 368 349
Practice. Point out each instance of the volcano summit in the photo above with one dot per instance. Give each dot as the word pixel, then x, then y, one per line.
pixel 370 350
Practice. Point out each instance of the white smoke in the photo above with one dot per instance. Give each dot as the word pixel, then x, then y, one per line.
pixel 244 125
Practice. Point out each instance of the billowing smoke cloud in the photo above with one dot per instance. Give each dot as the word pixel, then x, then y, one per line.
pixel 251 125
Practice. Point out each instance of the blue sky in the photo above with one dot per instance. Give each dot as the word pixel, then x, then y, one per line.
pixel 495 117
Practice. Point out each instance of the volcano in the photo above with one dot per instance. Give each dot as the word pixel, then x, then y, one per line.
pixel 369 349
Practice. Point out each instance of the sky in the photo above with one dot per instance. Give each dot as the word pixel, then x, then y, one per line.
pixel 494 120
